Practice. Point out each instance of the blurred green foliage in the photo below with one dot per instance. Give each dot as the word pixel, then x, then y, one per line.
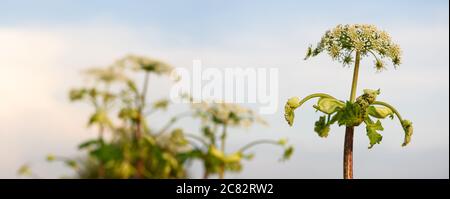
pixel 127 147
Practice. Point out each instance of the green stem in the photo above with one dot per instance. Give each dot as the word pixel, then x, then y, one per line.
pixel 198 138
pixel 172 122
pixel 144 89
pixel 141 106
pixel 315 95
pixel 355 77
pixel 258 142
pixel 222 139
pixel 140 166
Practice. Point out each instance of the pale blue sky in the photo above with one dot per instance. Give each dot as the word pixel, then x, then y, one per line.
pixel 44 44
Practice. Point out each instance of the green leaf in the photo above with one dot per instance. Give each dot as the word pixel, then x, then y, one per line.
pixel 99 117
pixel 89 143
pixel 282 141
pixel 129 113
pixel 125 170
pixel 248 156
pixel 322 126
pixel 50 157
pixel 161 104
pixel 25 170
pixel 149 140
pixel 288 153
pixel 216 153
pixel 233 158
pixel 192 154
pixel 132 86
pixel 328 105
pixel 178 138
pixel 309 52
pixel 207 132
pixel 408 128
pixel 351 115
pixel 77 94
pixel 372 132
pixel 107 152
pixel 380 112
pixel 71 163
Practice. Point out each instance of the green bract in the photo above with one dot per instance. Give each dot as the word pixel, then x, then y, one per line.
pixel 408 128
pixel 380 112
pixel 289 108
pixel 328 105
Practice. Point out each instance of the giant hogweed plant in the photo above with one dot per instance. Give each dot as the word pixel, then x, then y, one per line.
pixel 121 109
pixel 348 44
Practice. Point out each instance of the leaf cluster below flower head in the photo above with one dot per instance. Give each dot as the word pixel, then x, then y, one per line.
pixel 351 114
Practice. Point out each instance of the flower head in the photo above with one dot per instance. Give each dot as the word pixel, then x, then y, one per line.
pixel 226 113
pixel 341 41
pixel 146 64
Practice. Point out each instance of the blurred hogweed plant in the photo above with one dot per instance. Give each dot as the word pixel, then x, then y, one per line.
pixel 120 109
pixel 348 44
pixel 217 119
pixel 127 147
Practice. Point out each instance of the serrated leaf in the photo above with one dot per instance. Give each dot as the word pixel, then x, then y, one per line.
pixel 372 132
pixel 322 127
pixel 350 115
pixel 288 153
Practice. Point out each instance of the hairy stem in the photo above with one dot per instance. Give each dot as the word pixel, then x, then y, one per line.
pixel 349 131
